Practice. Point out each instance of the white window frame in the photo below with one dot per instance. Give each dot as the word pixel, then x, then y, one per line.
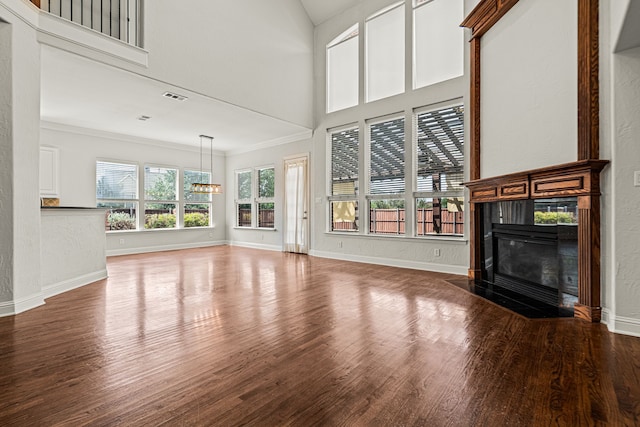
pixel 259 200
pixel 387 196
pixel 244 201
pixel 185 202
pixel 146 201
pixel 135 201
pixel 344 197
pixel 458 193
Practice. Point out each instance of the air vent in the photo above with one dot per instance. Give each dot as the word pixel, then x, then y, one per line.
pixel 175 96
pixel 144 118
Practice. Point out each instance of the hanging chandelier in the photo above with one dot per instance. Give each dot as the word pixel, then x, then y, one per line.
pixel 201 187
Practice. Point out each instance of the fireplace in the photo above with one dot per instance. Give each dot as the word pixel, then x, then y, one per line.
pixel 530 253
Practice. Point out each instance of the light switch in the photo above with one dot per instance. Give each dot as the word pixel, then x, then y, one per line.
pixel 636 178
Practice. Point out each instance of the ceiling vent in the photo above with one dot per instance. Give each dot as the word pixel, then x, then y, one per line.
pixel 175 96
pixel 144 118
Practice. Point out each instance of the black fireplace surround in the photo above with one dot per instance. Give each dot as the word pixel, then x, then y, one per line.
pixel 530 256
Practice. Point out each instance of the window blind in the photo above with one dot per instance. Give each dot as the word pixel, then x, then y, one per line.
pixel 344 162
pixel 116 181
pixel 386 168
pixel 440 150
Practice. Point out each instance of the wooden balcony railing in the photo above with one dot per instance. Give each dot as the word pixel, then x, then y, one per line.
pixel 119 19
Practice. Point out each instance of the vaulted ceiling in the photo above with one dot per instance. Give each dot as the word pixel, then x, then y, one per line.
pixel 321 10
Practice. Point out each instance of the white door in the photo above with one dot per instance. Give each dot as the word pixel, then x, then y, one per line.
pixel 296 205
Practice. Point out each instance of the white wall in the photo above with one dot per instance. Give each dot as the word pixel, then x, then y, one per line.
pixel 529 88
pixel 400 251
pixel 255 54
pixel 271 156
pixel 79 150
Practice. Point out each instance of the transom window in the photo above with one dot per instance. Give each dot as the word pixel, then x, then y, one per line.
pixel 385 53
pixel 342 70
pixel 438 41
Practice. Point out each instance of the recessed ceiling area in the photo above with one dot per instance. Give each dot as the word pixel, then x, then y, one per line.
pixel 83 93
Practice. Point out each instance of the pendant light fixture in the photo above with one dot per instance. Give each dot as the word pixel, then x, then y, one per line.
pixel 201 187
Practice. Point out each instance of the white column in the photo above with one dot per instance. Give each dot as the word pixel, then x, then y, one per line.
pixel 20 287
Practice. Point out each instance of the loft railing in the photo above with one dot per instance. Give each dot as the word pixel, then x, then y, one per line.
pixel 119 19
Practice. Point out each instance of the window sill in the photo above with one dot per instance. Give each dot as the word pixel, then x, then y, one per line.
pixel 256 228
pixel 429 238
pixel 152 230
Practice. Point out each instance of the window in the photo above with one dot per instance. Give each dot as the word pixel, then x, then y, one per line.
pixel 386 177
pixel 342 70
pixel 343 203
pixel 197 207
pixel 160 196
pixel 438 41
pixel 385 37
pixel 440 167
pixel 117 190
pixel 244 191
pixel 258 212
pixel 265 202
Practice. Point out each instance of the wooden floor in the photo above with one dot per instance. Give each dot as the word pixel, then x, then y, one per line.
pixel 230 336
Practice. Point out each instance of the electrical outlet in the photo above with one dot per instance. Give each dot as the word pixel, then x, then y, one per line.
pixel 636 178
pixel 436 252
pixel 340 244
pixel 211 235
pixel 122 241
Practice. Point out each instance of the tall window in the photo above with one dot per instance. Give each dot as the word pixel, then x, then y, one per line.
pixel 117 191
pixel 440 167
pixel 244 203
pixel 342 70
pixel 197 207
pixel 343 201
pixel 438 41
pixel 385 37
pixel 160 196
pixel 386 177
pixel 266 192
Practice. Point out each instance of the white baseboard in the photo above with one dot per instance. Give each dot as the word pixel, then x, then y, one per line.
pixel 162 248
pixel 256 246
pixel 415 265
pixel 621 325
pixel 10 308
pixel 76 282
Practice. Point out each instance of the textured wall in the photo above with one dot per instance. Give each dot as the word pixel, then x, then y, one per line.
pixel 626 160
pixel 402 251
pixel 6 166
pixel 79 150
pixel 19 145
pixel 73 245
pixel 272 156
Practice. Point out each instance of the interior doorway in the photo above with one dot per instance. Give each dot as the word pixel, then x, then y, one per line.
pixel 296 202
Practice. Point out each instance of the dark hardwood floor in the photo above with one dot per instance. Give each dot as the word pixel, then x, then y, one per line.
pixel 231 336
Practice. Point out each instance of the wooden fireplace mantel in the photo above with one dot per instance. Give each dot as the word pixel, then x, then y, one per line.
pixel 580 179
